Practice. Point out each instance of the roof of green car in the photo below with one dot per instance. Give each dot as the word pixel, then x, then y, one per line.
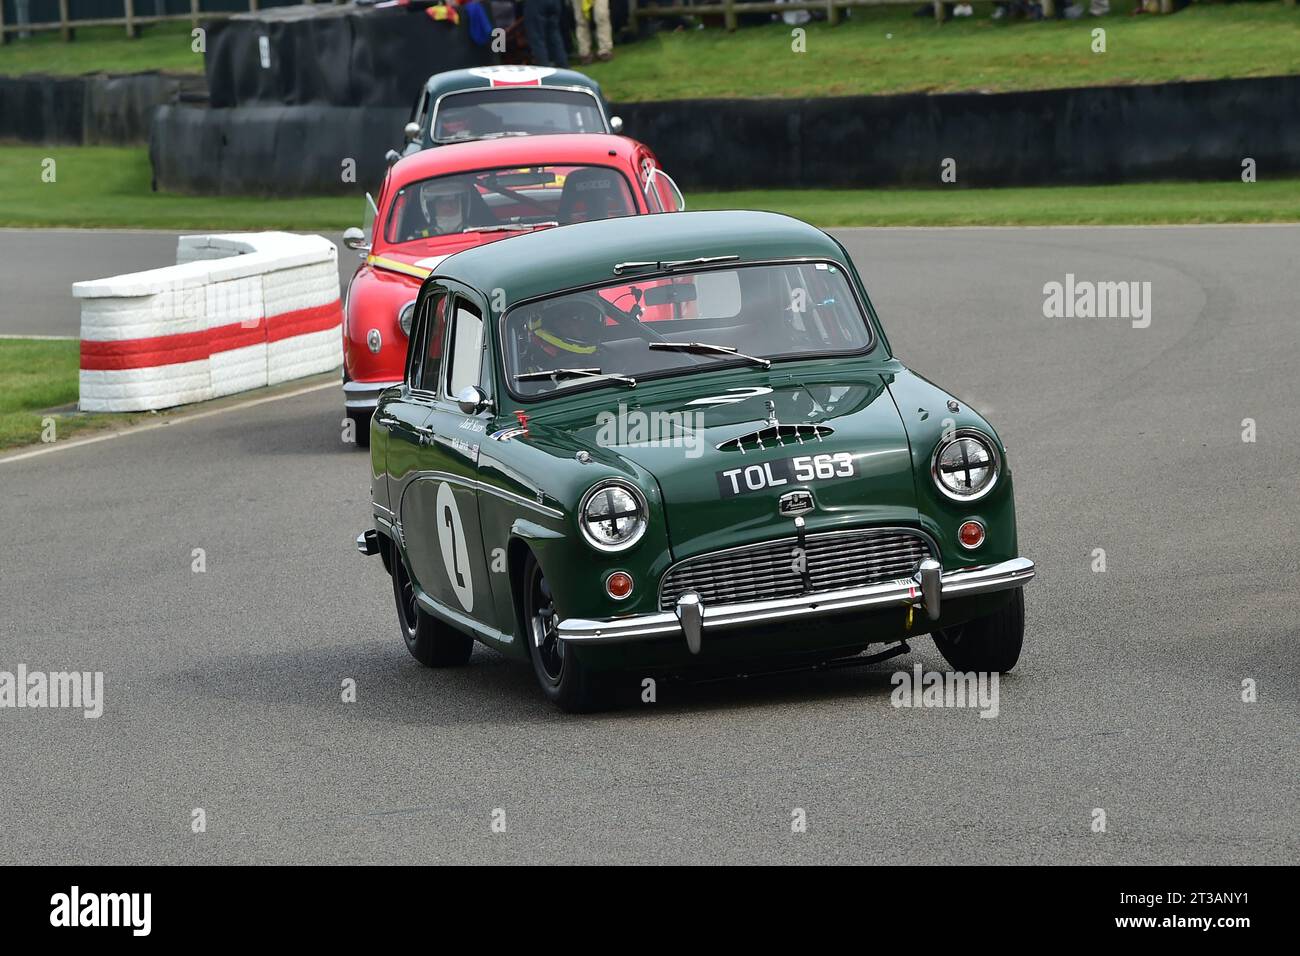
pixel 552 260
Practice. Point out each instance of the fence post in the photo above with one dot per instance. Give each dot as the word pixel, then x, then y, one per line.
pixel 23 17
pixel 252 6
pixel 1049 9
pixel 631 16
pixel 729 15
pixel 194 14
pixel 65 32
pixel 832 13
pixel 938 11
pixel 130 17
pixel 4 37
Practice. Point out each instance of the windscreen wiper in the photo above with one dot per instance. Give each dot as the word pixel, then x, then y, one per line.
pixel 510 226
pixel 706 348
pixel 555 374
pixel 668 265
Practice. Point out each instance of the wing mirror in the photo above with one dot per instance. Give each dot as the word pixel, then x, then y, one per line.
pixel 411 131
pixel 472 400
pixel 354 238
pixel 392 156
pixel 616 124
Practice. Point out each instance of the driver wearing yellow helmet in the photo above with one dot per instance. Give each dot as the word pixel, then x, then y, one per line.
pixel 558 337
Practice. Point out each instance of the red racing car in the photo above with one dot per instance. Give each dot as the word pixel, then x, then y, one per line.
pixel 439 201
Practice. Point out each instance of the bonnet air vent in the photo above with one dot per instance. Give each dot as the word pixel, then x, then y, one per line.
pixel 777 436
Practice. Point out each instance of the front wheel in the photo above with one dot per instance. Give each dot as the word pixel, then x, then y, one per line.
pixel 560 672
pixel 989 643
pixel 430 641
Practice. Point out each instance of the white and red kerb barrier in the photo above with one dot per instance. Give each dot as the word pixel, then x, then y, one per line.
pixel 236 312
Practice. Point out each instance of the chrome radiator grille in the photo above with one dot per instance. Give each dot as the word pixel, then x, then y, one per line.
pixel 835 560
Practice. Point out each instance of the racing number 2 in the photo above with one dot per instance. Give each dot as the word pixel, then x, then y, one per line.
pixel 450 522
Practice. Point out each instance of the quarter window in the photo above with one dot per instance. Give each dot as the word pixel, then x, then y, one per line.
pixel 466 348
pixel 435 329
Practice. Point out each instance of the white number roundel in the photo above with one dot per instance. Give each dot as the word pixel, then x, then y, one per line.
pixel 455 549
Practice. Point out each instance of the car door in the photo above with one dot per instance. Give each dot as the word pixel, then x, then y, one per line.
pixel 443 501
pixel 404 413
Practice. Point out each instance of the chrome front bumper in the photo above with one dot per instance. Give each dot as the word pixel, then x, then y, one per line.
pixel 363 395
pixel 691 619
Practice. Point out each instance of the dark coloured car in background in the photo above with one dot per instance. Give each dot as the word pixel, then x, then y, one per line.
pixel 490 102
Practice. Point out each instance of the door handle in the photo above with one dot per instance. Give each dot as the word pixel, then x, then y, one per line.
pixel 386 422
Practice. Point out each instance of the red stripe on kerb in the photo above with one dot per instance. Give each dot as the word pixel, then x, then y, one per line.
pixel 301 322
pixel 197 346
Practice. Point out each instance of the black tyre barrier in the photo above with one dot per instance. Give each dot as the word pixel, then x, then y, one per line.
pixel 334 55
pixel 273 150
pixel 1200 130
pixel 1196 130
pixel 42 109
pixel 78 110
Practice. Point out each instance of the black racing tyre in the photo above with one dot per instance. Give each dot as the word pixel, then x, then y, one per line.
pixel 430 641
pixel 559 669
pixel 361 426
pixel 989 643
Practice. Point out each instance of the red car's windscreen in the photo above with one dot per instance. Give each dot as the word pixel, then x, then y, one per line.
pixel 499 200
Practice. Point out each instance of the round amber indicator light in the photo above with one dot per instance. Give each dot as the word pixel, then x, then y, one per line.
pixel 619 585
pixel 971 534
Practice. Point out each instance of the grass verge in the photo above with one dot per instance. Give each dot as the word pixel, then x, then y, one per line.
pixel 102 186
pixel 884 50
pixel 887 50
pixel 111 186
pixel 160 46
pixel 1129 204
pixel 38 393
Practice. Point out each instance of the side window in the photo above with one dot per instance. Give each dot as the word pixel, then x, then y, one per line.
pixel 653 201
pixel 435 328
pixel 417 111
pixel 670 196
pixel 466 348
pixel 415 345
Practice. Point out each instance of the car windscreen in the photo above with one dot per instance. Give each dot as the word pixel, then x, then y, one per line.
pixel 502 111
pixel 504 199
pixel 681 323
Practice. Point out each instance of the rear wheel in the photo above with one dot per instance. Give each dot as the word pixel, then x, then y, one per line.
pixel 430 641
pixel 559 669
pixel 989 643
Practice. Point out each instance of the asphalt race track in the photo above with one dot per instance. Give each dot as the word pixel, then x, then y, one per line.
pixel 222 688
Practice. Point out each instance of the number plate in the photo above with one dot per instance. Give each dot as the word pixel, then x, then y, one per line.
pixel 785 472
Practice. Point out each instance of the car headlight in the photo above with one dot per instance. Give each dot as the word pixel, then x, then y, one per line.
pixel 966 465
pixel 405 316
pixel 612 515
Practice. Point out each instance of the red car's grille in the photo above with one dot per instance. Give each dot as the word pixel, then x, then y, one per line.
pixel 835 560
